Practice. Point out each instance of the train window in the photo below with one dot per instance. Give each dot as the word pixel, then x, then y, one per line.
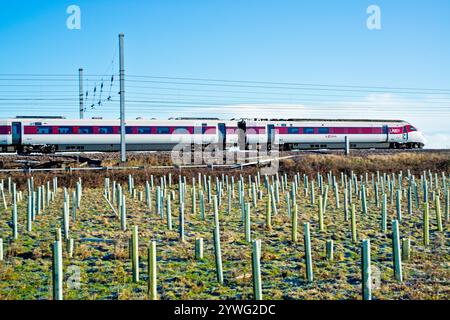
pixel 65 130
pixel 105 130
pixel 128 130
pixel 411 128
pixel 144 130
pixel 44 130
pixel 293 130
pixel 85 130
pixel 181 130
pixel 324 130
pixel 162 130
pixel 308 130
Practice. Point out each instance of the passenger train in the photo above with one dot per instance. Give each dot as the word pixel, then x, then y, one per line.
pixel 27 134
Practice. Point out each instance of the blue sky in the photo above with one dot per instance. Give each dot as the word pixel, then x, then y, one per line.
pixel 312 42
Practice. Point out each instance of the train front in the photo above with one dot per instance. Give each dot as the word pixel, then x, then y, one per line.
pixel 415 137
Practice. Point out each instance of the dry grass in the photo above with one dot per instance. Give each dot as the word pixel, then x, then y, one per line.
pixel 360 162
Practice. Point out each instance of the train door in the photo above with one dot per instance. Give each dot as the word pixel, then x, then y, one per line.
pixel 202 137
pixel 199 132
pixel 242 135
pixel 405 135
pixel 386 132
pixel 270 136
pixel 222 130
pixel 16 133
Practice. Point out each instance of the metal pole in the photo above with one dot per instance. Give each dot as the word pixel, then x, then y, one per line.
pixel 123 157
pixel 80 79
pixel 347 146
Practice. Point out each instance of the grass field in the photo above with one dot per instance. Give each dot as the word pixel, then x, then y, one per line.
pixel 101 265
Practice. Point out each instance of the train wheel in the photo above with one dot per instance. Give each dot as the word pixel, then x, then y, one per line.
pixel 48 149
pixel 24 150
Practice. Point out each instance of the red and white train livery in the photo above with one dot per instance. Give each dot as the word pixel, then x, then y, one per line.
pixel 51 134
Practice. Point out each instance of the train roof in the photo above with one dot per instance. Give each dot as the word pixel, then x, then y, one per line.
pixel 218 119
pixel 194 118
pixel 329 120
pixel 40 117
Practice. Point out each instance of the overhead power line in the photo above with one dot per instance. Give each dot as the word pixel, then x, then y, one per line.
pixel 51 75
pixel 281 87
pixel 288 83
pixel 156 94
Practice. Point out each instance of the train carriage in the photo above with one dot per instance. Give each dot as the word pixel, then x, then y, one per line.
pixel 330 134
pixel 9 140
pixel 51 134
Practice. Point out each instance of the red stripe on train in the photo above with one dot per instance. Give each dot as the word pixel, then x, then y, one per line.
pixel 5 129
pixel 116 130
pixel 206 130
pixel 336 130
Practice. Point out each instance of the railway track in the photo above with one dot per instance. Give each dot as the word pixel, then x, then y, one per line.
pixel 361 152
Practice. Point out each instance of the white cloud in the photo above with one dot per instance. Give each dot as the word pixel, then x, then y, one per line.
pixel 438 141
pixel 422 113
pixel 252 111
